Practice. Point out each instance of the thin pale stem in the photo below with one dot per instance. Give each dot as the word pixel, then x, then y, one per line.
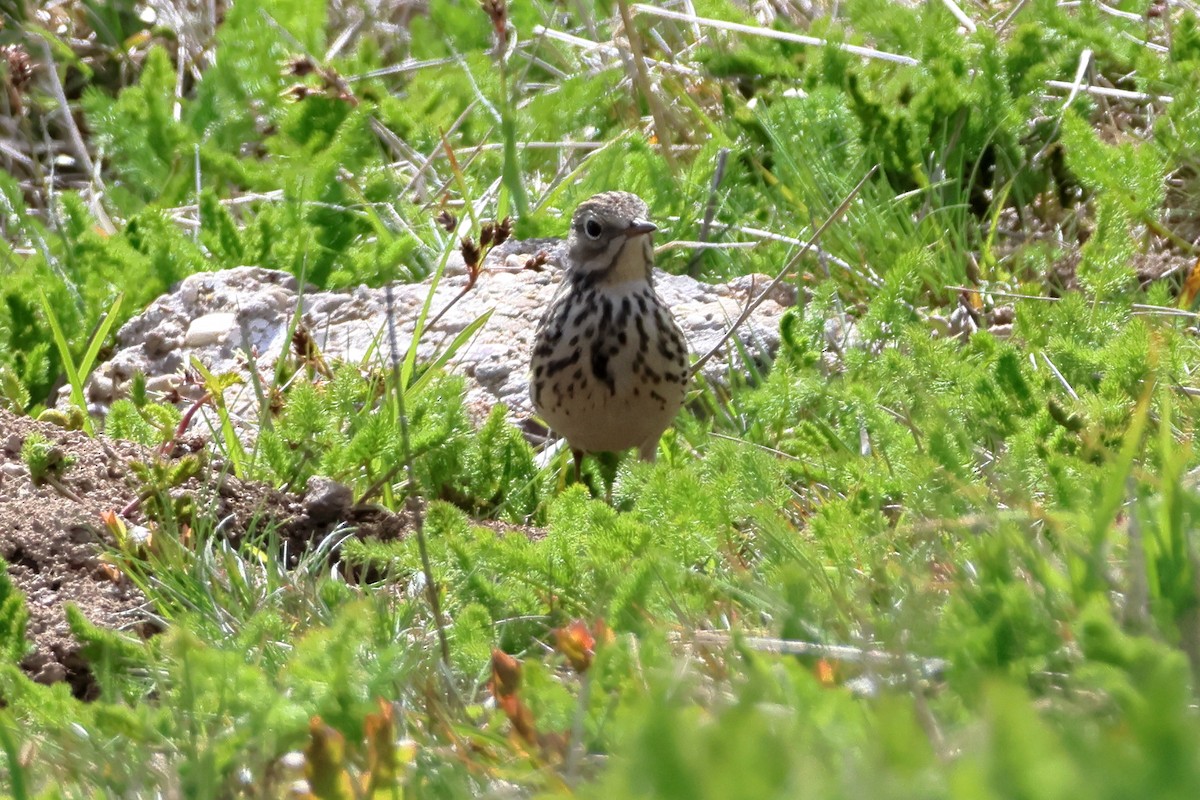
pixel 788 267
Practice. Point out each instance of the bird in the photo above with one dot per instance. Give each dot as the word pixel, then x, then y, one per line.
pixel 610 366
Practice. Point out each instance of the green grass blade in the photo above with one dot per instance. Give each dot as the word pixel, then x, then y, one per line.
pixel 448 353
pixel 64 352
pixel 101 335
pixel 216 385
pixel 410 357
pixel 12 753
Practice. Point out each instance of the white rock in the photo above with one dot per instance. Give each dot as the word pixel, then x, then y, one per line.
pixel 210 329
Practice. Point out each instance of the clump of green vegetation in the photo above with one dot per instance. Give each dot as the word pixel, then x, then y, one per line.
pixel 44 459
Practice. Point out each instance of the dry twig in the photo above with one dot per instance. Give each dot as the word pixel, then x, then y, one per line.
pixel 788 267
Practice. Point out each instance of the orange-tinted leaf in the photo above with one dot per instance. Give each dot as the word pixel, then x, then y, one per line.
pixel 506 674
pixel 826 673
pixel 522 721
pixel 602 633
pixel 111 521
pixel 325 763
pixel 108 572
pixel 1191 287
pixel 576 642
pixel 450 156
pixel 506 680
pixel 382 763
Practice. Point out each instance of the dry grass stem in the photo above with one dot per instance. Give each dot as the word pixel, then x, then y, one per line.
pixel 960 15
pixel 855 655
pixel 787 268
pixel 641 76
pixel 770 33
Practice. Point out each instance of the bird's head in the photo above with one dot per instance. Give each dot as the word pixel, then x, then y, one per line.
pixel 610 238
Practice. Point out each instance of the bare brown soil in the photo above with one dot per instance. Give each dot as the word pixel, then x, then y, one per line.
pixel 53 539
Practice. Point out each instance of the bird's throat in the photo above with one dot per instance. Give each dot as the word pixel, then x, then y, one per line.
pixel 633 262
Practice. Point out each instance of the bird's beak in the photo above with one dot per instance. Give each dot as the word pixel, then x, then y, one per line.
pixel 640 227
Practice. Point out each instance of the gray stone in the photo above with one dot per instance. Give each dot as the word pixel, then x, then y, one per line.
pixel 13 469
pixel 244 316
pixel 326 500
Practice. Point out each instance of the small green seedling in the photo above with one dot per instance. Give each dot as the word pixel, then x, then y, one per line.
pixel 45 460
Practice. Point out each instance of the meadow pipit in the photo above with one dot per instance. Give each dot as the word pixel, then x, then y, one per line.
pixel 610 367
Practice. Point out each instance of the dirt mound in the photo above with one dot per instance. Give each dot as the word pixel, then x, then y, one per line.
pixel 52 536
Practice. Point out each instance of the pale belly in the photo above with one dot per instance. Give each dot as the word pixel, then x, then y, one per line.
pixel 610 371
pixel 592 419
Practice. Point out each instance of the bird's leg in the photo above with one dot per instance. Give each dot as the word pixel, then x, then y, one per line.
pixel 649 450
pixel 578 465
pixel 608 472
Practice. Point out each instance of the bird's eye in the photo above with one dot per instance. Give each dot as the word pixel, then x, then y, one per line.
pixel 593 229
